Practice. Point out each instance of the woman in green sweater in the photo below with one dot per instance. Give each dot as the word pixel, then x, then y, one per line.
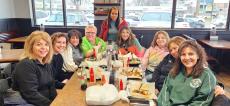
pixel 190 82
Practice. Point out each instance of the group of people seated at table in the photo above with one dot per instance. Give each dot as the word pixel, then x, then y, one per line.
pixel 176 65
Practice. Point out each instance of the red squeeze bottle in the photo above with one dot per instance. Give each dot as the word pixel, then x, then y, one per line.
pixel 91 73
pixel 121 85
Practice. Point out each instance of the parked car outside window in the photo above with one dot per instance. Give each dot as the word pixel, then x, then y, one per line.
pixel 132 20
pixel 41 17
pixel 161 19
pixel 155 19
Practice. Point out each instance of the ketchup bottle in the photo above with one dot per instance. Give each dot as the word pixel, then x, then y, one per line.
pixel 121 85
pixel 92 77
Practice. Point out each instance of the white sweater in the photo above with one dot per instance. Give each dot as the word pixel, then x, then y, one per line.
pixel 68 65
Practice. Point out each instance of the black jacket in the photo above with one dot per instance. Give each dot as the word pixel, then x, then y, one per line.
pixel 162 70
pixel 221 100
pixel 57 63
pixel 59 74
pixel 35 82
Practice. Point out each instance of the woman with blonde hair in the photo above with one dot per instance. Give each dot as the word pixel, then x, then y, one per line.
pixel 33 75
pixel 155 53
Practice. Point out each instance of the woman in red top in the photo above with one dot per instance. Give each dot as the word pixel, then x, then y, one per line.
pixel 111 25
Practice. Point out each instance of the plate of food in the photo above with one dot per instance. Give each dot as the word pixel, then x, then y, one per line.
pixel 131 72
pixel 142 90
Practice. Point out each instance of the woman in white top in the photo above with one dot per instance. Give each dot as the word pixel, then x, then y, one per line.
pixel 73 55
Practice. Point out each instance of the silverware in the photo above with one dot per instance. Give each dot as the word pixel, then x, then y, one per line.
pixel 140 86
pixel 132 69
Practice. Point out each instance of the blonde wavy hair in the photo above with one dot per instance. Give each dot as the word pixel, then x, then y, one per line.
pixel 29 44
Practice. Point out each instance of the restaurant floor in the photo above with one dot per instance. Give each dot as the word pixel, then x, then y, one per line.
pixel 224 77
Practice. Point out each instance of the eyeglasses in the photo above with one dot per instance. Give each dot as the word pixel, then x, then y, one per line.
pixel 90 32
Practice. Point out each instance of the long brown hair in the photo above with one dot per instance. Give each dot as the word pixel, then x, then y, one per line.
pixel 117 22
pixel 201 62
pixel 120 41
pixel 154 42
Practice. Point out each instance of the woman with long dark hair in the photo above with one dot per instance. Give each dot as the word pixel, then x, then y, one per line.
pixel 111 25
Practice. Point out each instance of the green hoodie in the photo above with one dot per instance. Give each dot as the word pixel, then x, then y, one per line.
pixel 86 45
pixel 188 91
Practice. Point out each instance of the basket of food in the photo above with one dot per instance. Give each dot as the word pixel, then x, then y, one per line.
pixel 141 90
pixel 131 72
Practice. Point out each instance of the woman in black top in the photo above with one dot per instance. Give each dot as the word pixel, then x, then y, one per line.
pixel 33 75
pixel 220 98
pixel 59 42
pixel 162 70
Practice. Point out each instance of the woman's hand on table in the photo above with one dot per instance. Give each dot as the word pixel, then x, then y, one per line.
pixel 219 91
pixel 65 81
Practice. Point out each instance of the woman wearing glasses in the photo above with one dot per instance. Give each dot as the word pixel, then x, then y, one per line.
pixel 91 44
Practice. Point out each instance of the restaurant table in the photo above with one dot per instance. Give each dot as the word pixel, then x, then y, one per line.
pixel 72 95
pixel 218 44
pixel 17 43
pixel 17 40
pixel 10 55
pixel 217 50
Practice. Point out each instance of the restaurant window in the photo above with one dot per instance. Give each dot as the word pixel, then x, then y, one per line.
pixel 79 12
pixel 50 12
pixel 149 13
pixel 202 13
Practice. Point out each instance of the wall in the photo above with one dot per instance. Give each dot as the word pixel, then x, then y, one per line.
pixel 14 9
pixel 7 9
pixel 22 8
pixel 15 17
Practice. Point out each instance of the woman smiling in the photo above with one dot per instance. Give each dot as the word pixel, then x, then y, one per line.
pixel 33 76
pixel 190 82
